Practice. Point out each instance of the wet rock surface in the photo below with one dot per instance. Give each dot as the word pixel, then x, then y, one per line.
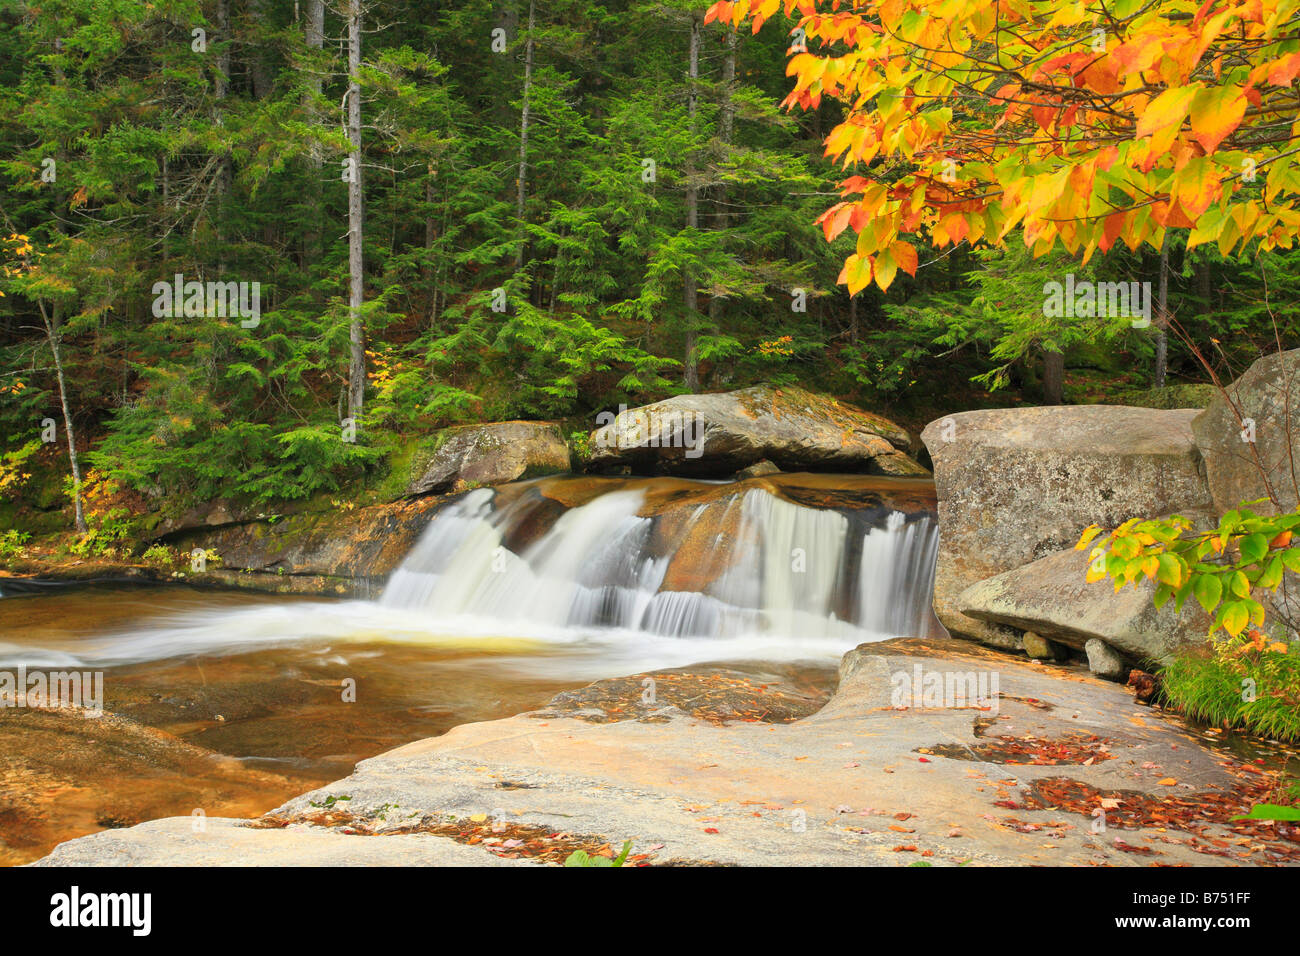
pixel 62 771
pixel 716 694
pixel 859 782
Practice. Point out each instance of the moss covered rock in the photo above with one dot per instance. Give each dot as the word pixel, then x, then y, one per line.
pixel 469 456
pixel 715 435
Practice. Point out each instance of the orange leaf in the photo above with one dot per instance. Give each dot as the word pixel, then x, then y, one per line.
pixel 905 255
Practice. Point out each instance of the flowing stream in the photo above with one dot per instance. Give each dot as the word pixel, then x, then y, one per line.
pixel 507 597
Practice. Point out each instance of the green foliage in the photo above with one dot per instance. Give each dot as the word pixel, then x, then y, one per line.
pixel 1245 678
pixel 582 858
pixel 11 544
pixel 159 554
pixel 14 465
pixel 1002 309
pixel 1271 811
pixel 1257 691
pixel 109 530
pixel 1221 567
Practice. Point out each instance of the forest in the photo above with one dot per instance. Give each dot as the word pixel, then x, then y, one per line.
pixel 473 211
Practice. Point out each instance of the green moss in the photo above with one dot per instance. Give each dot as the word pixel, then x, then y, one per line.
pixel 1171 396
pixel 411 461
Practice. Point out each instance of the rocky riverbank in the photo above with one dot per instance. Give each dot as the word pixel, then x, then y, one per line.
pixel 1058 769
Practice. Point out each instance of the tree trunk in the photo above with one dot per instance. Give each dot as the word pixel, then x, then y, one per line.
pixel 314 34
pixel 220 93
pixel 54 333
pixel 259 69
pixel 429 273
pixel 1053 378
pixel 1162 316
pixel 726 126
pixel 1203 286
pixel 691 371
pixel 521 198
pixel 357 364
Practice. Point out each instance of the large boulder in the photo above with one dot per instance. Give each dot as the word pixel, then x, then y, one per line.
pixel 718 434
pixel 1017 484
pixel 1050 597
pixel 1267 400
pixel 469 456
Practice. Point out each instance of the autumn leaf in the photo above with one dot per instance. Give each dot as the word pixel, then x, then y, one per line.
pixel 856 273
pixel 905 255
pixel 1166 110
pixel 1216 113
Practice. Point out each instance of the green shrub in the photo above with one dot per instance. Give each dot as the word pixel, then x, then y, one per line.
pixel 159 554
pixel 1256 689
pixel 11 544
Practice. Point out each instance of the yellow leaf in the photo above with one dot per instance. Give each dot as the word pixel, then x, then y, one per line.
pixel 1235 619
pixel 1096 566
pixel 885 269
pixel 1168 109
pixel 856 273
pixel 1216 112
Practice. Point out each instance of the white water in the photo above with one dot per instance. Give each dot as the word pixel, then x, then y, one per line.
pixel 784 573
pixel 789 583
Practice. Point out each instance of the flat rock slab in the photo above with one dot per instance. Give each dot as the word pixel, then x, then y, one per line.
pixel 228 842
pixel 864 781
pixel 715 694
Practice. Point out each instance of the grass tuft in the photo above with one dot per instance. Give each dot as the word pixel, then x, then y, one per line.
pixel 1258 693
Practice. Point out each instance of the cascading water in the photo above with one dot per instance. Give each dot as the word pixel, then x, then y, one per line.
pixel 765 565
pixel 588 577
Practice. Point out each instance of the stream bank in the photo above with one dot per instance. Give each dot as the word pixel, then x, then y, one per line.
pixel 1063 770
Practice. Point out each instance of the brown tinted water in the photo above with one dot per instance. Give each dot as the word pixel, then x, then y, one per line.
pixel 237 728
pixel 281 712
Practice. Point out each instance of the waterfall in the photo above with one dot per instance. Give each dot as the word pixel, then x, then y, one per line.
pixel 745 562
pixel 571 576
pixel 896 581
